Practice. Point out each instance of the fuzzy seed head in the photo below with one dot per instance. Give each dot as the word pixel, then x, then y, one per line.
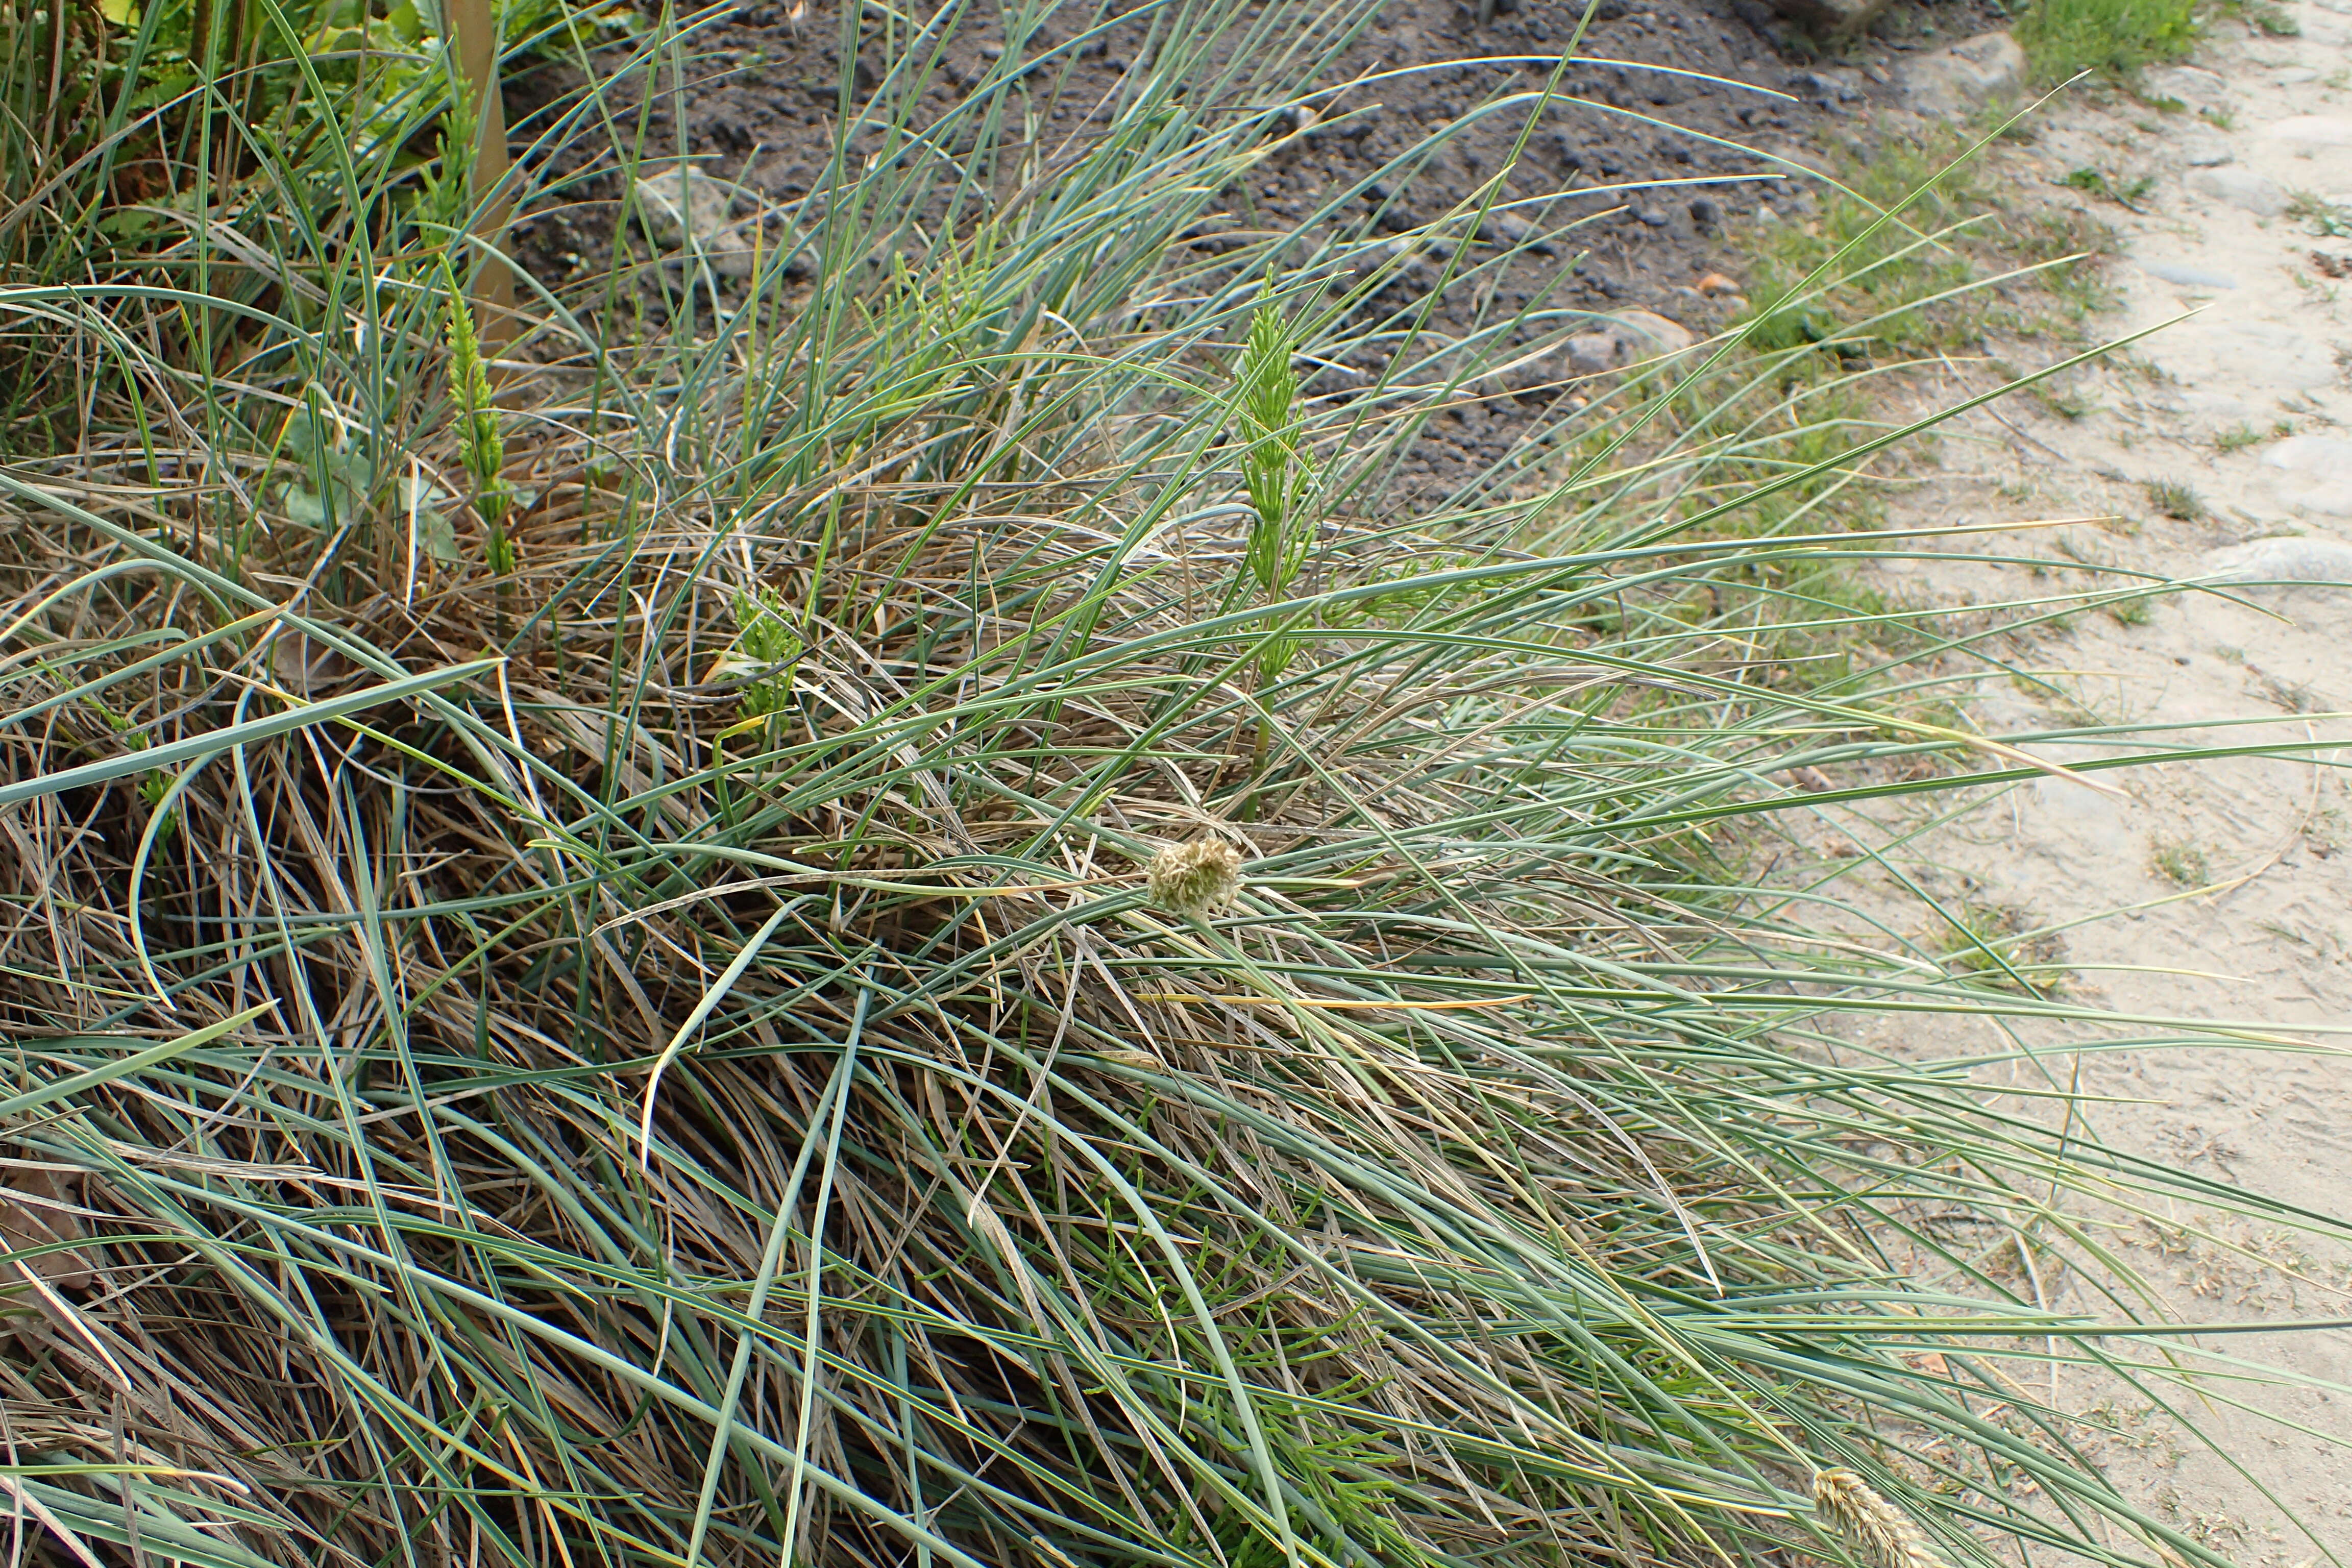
pixel 1197 878
pixel 1880 1534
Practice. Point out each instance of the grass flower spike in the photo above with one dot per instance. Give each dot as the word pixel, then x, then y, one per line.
pixel 479 446
pixel 1880 1534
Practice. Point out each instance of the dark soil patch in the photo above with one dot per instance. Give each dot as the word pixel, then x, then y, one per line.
pixel 1651 156
pixel 759 106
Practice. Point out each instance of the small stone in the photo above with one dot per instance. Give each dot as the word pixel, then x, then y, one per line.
pixel 2188 84
pixel 682 206
pixel 2241 188
pixel 682 197
pixel 2320 457
pixel 2318 472
pixel 2295 76
pixel 1592 353
pixel 1716 283
pixel 1951 82
pixel 1626 338
pixel 1831 17
pixel 2277 356
pixel 1533 372
pixel 2204 152
pixel 1828 84
pixel 1804 158
pixel 2282 560
pixel 733 249
pixel 1663 336
pixel 1506 230
pixel 2187 276
pixel 2311 130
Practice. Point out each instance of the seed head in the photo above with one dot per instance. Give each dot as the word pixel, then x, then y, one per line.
pixel 1196 879
pixel 1880 1534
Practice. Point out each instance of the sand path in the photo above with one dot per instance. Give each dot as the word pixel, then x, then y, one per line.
pixel 2221 888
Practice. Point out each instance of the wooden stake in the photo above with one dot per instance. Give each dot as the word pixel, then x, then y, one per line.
pixel 474 26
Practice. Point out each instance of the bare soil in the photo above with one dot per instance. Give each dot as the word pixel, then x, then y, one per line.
pixel 2207 456
pixel 1663 166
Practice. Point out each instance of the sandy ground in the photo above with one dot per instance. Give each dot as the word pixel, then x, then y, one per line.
pixel 2218 888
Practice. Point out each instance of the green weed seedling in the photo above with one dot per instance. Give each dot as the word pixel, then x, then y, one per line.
pixel 153 785
pixel 2324 219
pixel 2180 862
pixel 2117 39
pixel 767 646
pixel 2176 499
pixel 2264 17
pixel 1276 469
pixel 1278 473
pixel 2124 193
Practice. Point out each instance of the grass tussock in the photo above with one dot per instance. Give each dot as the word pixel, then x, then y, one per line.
pixel 905 916
pixel 2119 39
pixel 1963 260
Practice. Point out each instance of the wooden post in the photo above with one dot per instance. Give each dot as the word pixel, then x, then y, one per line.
pixel 473 28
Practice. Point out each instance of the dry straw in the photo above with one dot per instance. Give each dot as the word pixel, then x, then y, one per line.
pixel 1881 1534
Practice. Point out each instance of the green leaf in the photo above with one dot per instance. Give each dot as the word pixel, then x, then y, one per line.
pixel 422 501
pixel 213 744
pixel 64 1089
pixel 436 536
pixel 309 437
pixel 305 506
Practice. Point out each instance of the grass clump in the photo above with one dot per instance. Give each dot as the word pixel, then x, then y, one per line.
pixel 2177 499
pixel 1850 285
pixel 2327 220
pixel 1998 944
pixel 2180 862
pixel 2263 16
pixel 2119 39
pixel 937 928
pixel 2123 192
